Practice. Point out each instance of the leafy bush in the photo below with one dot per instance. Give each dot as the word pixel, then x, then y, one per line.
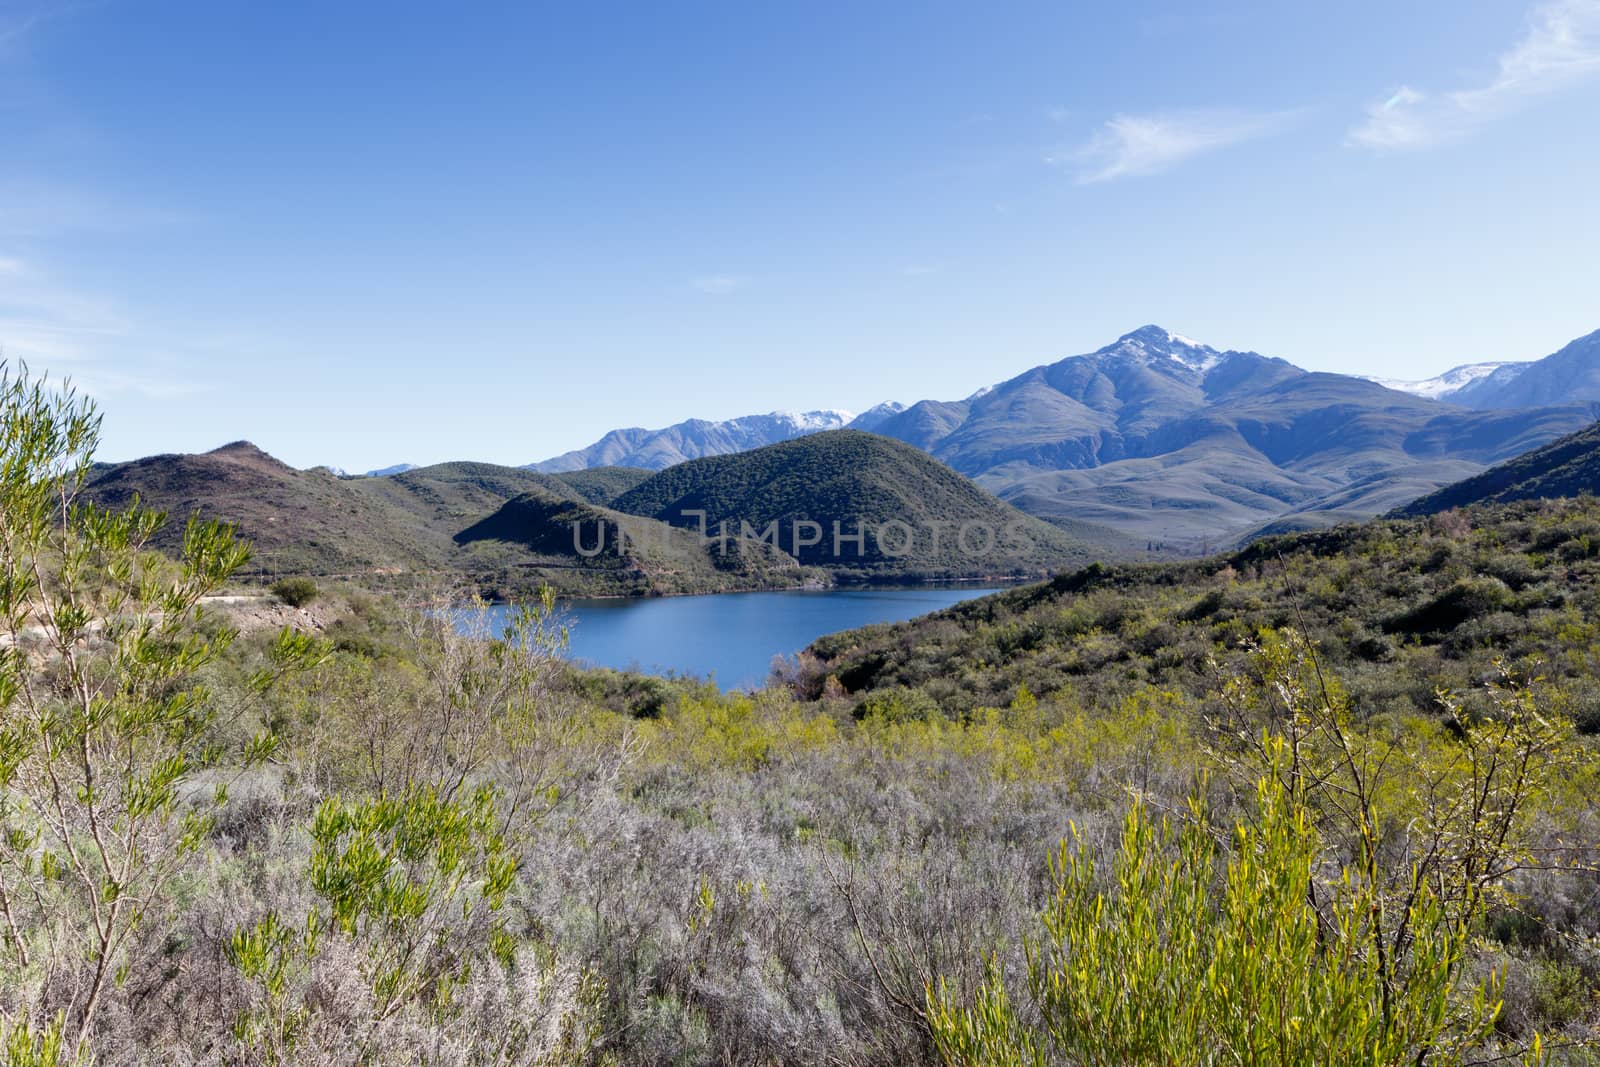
pixel 897 704
pixel 1161 966
pixel 295 592
pixel 115 753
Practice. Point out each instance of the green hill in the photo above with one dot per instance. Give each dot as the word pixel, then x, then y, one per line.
pixel 604 551
pixel 501 530
pixel 1566 467
pixel 861 505
pixel 602 485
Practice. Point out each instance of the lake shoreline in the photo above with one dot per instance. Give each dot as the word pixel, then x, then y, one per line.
pixel 988 581
pixel 733 640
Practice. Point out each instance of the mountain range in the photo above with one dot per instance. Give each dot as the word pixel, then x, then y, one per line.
pixel 1185 447
pixel 659 449
pixel 1572 374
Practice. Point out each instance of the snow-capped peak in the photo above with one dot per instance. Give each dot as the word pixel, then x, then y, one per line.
pixel 1199 357
pixel 876 415
pixel 825 419
pixel 1444 385
pixel 1158 342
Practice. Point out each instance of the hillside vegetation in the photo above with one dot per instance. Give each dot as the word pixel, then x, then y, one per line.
pixel 602 485
pixel 815 494
pixel 1400 608
pixel 508 531
pixel 614 552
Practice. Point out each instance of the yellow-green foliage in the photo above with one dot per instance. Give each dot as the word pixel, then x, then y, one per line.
pixel 1335 924
pixel 42 1046
pixel 735 730
pixel 1149 734
pixel 1184 957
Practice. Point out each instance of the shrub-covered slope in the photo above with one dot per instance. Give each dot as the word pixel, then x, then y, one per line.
pixel 297 521
pixel 1401 607
pixel 607 552
pixel 602 485
pixel 395 840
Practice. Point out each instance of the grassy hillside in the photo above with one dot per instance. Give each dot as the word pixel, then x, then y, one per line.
pixel 918 516
pixel 507 530
pixel 452 521
pixel 1567 467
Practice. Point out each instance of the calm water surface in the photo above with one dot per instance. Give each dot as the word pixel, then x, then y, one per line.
pixel 732 637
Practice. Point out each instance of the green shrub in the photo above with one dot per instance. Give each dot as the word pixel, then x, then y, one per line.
pixel 1467 599
pixel 1561 994
pixel 897 704
pixel 295 592
pixel 1180 954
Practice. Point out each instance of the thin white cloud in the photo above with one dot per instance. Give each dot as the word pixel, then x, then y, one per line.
pixel 717 284
pixel 1131 145
pixel 68 335
pixel 1560 49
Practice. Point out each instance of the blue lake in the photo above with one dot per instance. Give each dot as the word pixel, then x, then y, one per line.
pixel 732 637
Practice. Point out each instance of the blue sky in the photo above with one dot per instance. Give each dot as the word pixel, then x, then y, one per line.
pixel 368 233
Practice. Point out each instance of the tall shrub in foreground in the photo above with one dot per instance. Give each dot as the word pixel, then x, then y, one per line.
pixel 1331 925
pixel 108 739
pixel 1190 953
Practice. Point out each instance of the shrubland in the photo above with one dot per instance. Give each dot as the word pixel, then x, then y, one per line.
pixel 1332 799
